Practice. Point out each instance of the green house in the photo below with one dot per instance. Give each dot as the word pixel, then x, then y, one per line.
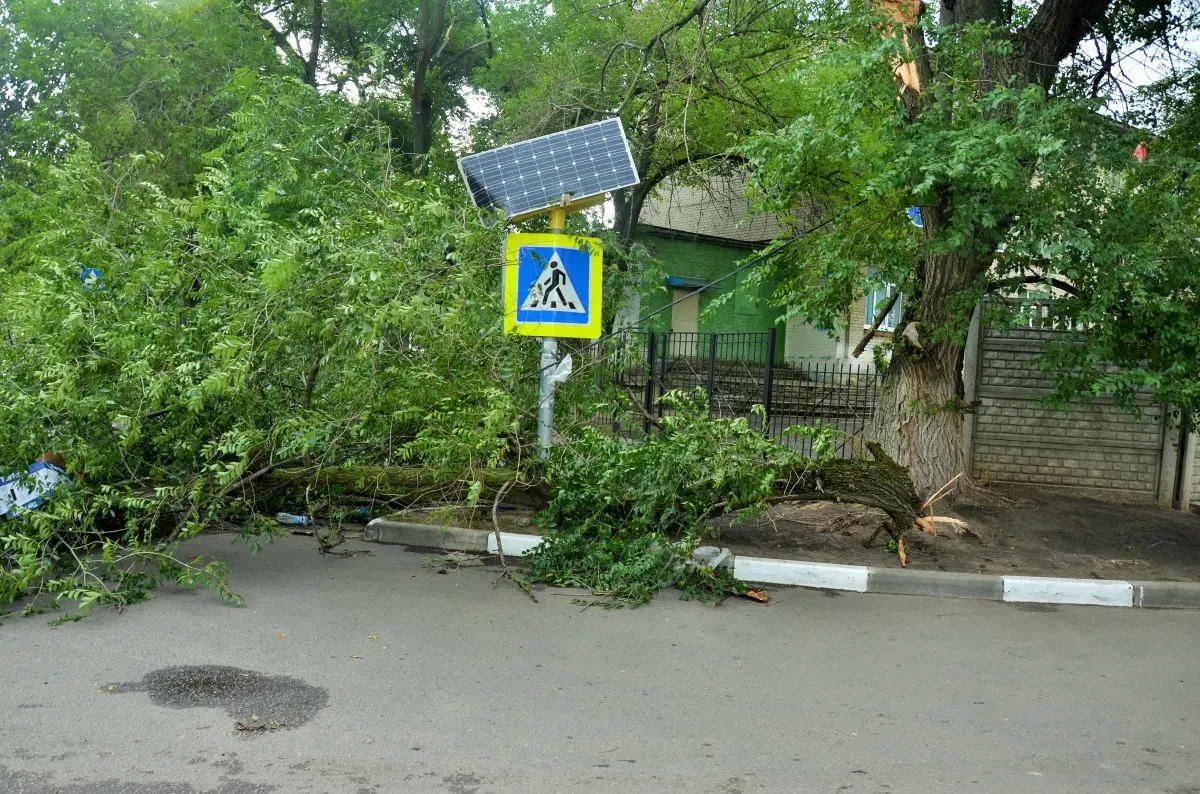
pixel 700 233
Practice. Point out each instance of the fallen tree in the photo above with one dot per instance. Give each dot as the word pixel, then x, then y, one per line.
pixel 404 486
pixel 877 483
pixel 623 519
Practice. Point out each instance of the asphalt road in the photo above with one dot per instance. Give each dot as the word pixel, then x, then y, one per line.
pixel 463 688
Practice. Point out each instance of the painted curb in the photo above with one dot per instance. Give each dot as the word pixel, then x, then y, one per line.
pixel 1044 590
pixel 515 544
pixel 827 575
pixel 429 536
pixel 853 578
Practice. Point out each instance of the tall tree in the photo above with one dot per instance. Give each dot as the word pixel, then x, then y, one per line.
pixel 987 119
pixel 124 76
pixel 409 61
pixel 689 78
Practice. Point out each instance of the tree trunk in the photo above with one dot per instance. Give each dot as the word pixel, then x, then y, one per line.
pixel 407 485
pixel 877 483
pixel 880 483
pixel 919 415
pixel 314 53
pixel 431 22
pixel 919 410
pixel 627 207
pixel 917 419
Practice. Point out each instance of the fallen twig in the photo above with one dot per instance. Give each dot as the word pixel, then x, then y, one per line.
pixel 505 573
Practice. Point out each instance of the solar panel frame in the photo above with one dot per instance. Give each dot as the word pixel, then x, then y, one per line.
pixel 534 190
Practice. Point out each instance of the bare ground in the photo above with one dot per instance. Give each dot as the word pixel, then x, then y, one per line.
pixel 1050 535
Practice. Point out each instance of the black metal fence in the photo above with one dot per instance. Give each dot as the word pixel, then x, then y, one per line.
pixel 738 371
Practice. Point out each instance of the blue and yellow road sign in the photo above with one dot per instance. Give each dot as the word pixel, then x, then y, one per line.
pixel 552 285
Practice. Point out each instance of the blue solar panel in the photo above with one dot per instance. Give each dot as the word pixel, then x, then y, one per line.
pixel 533 175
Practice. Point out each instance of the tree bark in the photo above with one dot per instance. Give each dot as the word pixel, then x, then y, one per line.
pixel 431 21
pixel 314 50
pixel 919 410
pixel 627 206
pixel 918 418
pixel 880 483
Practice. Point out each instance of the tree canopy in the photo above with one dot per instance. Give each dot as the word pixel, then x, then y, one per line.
pixel 690 80
pixel 1025 178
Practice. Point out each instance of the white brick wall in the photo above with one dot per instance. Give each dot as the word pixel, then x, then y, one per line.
pixel 1196 478
pixel 1092 447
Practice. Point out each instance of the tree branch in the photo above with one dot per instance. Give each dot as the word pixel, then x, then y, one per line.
pixel 1055 31
pixel 314 50
pixel 277 36
pixel 1057 283
pixel 649 48
pixel 887 308
pixel 311 381
pixel 487 27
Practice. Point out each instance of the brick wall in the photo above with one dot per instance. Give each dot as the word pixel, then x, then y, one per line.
pixel 1196 479
pixel 1095 448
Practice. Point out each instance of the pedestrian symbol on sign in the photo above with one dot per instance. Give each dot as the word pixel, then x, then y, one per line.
pixel 554 290
pixel 552 286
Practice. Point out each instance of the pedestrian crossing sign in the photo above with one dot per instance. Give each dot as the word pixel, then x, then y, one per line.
pixel 552 286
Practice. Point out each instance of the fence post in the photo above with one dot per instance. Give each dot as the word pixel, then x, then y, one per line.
pixel 768 381
pixel 662 357
pixel 650 349
pixel 711 386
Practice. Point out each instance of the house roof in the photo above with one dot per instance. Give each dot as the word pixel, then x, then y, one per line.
pixel 717 210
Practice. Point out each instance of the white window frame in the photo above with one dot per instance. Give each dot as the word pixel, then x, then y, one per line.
pixel 876 298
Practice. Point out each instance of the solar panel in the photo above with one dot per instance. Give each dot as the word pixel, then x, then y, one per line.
pixel 533 175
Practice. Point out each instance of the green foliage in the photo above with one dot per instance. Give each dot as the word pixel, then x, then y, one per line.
pixel 1022 190
pixel 303 304
pixel 688 80
pixel 624 518
pixel 126 76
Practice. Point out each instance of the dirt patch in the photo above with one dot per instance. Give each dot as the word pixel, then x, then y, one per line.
pixel 1053 536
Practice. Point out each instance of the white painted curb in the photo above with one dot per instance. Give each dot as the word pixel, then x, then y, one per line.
pixel 515 544
pixel 830 576
pixel 1044 590
pixel 857 578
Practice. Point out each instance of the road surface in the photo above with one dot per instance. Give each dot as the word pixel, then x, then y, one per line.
pixel 466 688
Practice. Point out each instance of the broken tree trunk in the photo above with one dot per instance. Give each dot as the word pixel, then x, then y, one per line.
pixel 880 483
pixel 409 485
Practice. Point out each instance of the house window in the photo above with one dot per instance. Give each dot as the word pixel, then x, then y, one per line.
pixel 876 299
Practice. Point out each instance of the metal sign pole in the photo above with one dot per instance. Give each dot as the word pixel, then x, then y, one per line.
pixel 557 225
pixel 546 396
pixel 551 284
